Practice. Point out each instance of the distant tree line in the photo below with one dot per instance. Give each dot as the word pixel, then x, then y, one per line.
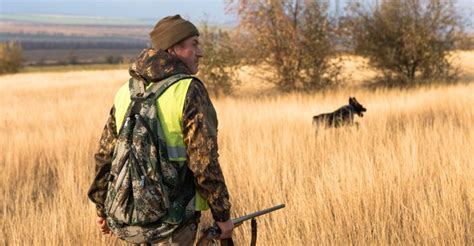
pixel 61 37
pixel 36 45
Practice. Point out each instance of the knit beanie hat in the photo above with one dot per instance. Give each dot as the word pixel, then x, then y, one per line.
pixel 171 30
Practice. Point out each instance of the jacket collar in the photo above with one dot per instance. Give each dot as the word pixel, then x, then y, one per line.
pixel 154 65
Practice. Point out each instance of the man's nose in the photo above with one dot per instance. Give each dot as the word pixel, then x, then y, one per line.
pixel 200 52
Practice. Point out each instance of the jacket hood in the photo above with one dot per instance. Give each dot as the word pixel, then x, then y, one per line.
pixel 153 65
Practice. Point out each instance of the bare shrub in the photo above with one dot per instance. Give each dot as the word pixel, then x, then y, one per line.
pixel 72 58
pixel 10 57
pixel 465 42
pixel 293 37
pixel 407 40
pixel 114 59
pixel 217 67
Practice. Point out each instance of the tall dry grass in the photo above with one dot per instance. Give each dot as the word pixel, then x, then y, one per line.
pixel 405 176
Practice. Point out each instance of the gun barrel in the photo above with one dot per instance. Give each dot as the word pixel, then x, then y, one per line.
pixel 238 221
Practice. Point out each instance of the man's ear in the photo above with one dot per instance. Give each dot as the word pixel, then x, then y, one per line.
pixel 171 50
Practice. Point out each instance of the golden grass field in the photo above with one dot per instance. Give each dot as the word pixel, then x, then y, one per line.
pixel 405 176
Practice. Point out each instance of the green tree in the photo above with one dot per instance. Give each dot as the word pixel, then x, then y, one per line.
pixel 218 66
pixel 407 40
pixel 10 57
pixel 294 37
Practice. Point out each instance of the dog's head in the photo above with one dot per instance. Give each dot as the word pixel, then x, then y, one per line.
pixel 356 106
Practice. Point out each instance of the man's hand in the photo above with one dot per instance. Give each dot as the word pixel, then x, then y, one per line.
pixel 103 226
pixel 226 229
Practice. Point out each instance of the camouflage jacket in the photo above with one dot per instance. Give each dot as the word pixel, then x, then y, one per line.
pixel 199 132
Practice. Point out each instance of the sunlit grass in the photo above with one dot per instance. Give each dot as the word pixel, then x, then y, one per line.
pixel 404 176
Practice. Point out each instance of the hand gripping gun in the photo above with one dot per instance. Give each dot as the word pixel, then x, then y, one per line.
pixel 212 233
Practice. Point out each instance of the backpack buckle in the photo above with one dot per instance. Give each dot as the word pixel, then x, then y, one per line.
pixel 109 177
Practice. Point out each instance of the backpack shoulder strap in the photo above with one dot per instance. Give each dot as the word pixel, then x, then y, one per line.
pixel 139 94
pixel 158 88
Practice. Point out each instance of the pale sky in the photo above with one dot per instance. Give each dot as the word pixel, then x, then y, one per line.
pixel 213 10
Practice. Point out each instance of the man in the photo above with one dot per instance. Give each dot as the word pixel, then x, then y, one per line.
pixel 176 50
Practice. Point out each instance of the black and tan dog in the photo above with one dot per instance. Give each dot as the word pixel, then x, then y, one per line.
pixel 343 116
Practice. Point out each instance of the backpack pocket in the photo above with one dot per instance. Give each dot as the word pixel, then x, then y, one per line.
pixel 135 197
pixel 148 204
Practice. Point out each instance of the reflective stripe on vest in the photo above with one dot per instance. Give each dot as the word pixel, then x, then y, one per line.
pixel 170 111
pixel 170 107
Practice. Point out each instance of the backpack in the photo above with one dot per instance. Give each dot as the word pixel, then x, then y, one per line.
pixel 145 198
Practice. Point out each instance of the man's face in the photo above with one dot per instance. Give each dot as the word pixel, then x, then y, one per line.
pixel 189 52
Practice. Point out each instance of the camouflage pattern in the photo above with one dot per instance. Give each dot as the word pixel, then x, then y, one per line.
pixel 142 175
pixel 150 233
pixel 187 233
pixel 103 159
pixel 155 65
pixel 200 136
pixel 204 172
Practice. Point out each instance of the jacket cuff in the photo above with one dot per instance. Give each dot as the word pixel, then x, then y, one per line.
pixel 100 211
pixel 221 216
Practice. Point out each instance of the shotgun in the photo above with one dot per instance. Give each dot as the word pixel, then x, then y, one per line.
pixel 213 232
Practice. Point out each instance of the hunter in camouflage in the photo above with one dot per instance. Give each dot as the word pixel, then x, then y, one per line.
pixel 199 128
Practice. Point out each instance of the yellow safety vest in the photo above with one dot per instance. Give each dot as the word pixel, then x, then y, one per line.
pixel 170 106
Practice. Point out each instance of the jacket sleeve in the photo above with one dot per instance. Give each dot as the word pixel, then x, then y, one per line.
pixel 103 161
pixel 200 137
